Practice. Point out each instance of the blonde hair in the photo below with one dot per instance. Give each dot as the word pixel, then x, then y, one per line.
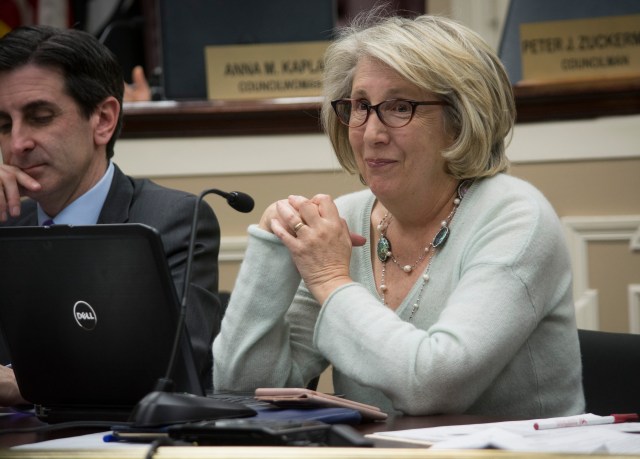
pixel 438 55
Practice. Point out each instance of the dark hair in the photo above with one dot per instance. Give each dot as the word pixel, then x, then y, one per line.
pixel 91 71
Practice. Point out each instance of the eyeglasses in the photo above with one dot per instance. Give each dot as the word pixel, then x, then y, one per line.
pixel 394 113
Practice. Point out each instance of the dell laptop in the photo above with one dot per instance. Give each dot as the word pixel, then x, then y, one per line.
pixel 89 315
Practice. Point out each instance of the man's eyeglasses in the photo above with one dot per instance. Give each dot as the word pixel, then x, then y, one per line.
pixel 394 113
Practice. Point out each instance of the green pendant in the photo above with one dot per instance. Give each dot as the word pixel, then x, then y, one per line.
pixel 441 237
pixel 383 249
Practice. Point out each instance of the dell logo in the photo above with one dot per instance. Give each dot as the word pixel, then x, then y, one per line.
pixel 84 315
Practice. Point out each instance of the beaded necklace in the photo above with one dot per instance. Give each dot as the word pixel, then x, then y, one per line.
pixel 384 253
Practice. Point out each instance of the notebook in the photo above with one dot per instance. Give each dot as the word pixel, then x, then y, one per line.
pixel 89 316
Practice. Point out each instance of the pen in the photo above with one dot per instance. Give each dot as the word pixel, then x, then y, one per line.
pixel 583 420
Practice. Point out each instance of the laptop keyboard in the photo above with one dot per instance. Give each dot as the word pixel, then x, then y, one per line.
pixel 243 398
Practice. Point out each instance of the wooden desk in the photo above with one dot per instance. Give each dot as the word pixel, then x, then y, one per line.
pixel 240 452
pixel 23 421
pixel 16 420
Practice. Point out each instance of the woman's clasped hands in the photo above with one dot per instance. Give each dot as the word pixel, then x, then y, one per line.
pixel 317 238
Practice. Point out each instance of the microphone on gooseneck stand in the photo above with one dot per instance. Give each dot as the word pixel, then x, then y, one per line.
pixel 163 406
pixel 242 203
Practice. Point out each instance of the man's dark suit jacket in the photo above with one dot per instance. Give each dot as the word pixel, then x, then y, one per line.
pixel 132 200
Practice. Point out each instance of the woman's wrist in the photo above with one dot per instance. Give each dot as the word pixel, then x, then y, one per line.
pixel 323 290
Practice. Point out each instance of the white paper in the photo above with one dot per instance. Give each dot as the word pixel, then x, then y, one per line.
pixel 90 441
pixel 621 438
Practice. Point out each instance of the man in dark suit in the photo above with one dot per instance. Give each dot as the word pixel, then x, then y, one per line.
pixel 60 115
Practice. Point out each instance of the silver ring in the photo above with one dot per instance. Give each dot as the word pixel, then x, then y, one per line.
pixel 297 227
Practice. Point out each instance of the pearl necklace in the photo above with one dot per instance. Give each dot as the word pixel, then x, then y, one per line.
pixel 384 253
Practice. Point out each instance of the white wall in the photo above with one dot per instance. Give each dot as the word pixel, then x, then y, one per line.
pixel 600 138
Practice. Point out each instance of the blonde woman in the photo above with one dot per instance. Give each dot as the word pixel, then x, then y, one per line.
pixel 460 299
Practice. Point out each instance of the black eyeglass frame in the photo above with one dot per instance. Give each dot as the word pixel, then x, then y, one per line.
pixel 413 103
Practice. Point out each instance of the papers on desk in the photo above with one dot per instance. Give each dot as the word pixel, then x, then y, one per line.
pixel 82 442
pixel 521 436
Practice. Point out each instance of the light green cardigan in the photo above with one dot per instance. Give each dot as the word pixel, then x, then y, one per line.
pixel 495 333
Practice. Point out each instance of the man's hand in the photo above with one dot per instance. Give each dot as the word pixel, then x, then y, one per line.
pixel 138 90
pixel 9 392
pixel 13 182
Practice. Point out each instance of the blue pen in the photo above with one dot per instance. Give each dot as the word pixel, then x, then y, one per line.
pixel 109 438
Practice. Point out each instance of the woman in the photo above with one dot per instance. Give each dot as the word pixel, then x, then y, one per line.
pixel 460 300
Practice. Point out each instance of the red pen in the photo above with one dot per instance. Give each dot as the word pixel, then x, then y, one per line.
pixel 583 420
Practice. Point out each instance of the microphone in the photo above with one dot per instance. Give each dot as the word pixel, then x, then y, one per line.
pixel 163 406
pixel 240 201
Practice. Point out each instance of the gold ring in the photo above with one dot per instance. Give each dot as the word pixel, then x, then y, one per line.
pixel 297 227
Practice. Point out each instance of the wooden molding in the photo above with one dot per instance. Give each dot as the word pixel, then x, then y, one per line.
pixel 579 231
pixel 534 103
pixel 209 118
pixel 576 100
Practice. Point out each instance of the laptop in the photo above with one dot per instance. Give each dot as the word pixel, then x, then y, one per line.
pixel 89 316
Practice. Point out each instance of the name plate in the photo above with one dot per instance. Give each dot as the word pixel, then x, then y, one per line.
pixel 581 49
pixel 265 71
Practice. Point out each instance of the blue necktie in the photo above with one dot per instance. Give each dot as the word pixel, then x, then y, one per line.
pixel 48 222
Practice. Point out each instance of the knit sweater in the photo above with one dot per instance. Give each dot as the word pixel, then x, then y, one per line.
pixel 495 332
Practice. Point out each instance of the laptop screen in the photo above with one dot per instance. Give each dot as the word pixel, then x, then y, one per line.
pixel 89 314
